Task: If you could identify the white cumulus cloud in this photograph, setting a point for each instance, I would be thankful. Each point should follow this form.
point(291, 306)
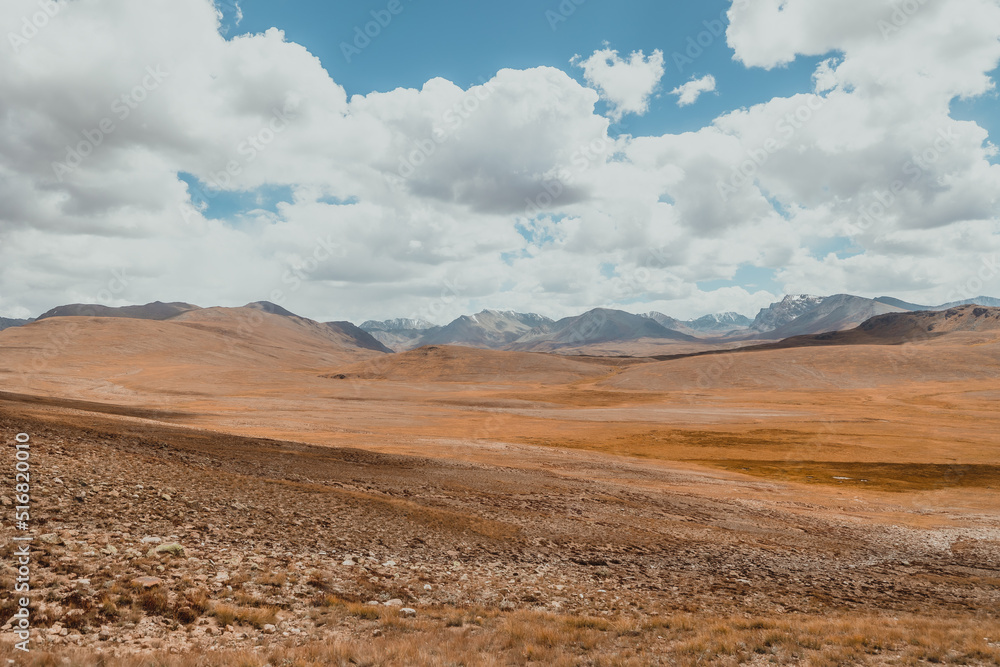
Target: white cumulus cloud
point(626, 84)
point(689, 92)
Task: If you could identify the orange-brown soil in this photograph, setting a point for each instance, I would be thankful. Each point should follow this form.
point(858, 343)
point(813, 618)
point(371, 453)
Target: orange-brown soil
point(858, 483)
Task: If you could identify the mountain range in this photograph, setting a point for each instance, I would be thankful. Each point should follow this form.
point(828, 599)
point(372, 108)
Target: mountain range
point(590, 332)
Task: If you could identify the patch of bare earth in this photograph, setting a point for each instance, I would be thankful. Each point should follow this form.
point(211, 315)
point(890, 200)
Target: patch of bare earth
point(162, 545)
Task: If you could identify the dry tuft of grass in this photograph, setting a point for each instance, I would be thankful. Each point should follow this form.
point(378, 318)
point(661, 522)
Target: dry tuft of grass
point(257, 617)
point(484, 636)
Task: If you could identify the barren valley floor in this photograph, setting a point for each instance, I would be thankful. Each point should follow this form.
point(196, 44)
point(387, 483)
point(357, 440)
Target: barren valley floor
point(821, 506)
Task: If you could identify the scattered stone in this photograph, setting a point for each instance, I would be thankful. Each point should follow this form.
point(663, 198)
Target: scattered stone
point(147, 582)
point(395, 602)
point(407, 612)
point(149, 539)
point(51, 538)
point(172, 549)
point(428, 587)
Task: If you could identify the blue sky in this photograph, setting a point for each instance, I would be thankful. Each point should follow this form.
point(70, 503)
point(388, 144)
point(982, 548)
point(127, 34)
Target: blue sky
point(466, 42)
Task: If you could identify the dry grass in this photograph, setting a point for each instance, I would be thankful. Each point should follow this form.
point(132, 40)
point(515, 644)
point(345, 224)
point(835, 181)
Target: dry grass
point(898, 477)
point(257, 617)
point(487, 637)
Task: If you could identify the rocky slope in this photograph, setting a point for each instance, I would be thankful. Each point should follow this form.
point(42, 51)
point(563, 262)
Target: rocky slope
point(488, 329)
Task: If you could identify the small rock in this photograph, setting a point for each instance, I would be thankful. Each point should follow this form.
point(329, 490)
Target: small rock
point(109, 550)
point(428, 587)
point(407, 612)
point(395, 602)
point(373, 603)
point(147, 582)
point(172, 549)
point(222, 576)
point(50, 538)
point(348, 562)
point(81, 496)
point(149, 539)
point(104, 635)
point(269, 629)
point(376, 632)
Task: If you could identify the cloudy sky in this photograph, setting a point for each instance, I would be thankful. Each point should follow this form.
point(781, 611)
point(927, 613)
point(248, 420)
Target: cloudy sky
point(409, 158)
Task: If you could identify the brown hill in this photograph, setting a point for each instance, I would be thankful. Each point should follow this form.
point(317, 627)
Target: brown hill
point(466, 364)
point(198, 351)
point(156, 310)
point(959, 344)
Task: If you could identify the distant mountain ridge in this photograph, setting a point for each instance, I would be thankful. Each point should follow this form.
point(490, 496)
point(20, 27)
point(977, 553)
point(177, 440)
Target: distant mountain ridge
point(7, 323)
point(156, 310)
point(488, 328)
point(599, 325)
point(794, 315)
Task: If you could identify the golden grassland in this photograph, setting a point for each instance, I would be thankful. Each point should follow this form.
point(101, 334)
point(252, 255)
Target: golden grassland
point(481, 636)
